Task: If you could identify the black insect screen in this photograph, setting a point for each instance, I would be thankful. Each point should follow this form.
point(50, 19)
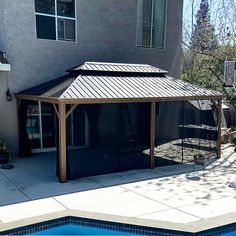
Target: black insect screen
point(199, 129)
point(110, 138)
point(169, 133)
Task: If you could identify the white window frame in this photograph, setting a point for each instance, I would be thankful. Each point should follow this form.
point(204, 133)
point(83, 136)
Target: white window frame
point(42, 149)
point(56, 22)
point(140, 5)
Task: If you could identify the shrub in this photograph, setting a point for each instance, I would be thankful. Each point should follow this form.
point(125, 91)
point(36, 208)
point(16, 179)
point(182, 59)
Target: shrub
point(233, 139)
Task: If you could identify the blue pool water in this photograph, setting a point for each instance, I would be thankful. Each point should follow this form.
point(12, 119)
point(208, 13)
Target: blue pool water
point(71, 229)
point(230, 234)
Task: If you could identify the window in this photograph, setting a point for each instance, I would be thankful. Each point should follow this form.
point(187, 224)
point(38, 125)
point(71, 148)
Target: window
point(55, 19)
point(41, 126)
point(151, 23)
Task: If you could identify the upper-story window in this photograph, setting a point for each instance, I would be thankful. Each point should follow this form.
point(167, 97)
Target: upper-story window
point(55, 19)
point(151, 23)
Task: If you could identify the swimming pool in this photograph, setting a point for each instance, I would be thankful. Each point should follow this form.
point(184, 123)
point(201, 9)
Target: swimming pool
point(71, 225)
point(71, 229)
point(229, 234)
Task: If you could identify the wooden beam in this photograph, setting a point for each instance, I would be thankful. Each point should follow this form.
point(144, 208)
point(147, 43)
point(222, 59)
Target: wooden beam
point(74, 101)
point(215, 104)
point(219, 128)
point(71, 110)
point(152, 134)
point(56, 110)
point(37, 98)
point(62, 144)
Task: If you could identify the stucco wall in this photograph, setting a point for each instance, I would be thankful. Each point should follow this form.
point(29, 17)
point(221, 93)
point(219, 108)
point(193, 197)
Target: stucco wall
point(106, 32)
point(1, 24)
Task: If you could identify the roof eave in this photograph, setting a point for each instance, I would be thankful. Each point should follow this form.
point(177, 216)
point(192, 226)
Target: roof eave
point(136, 100)
point(37, 98)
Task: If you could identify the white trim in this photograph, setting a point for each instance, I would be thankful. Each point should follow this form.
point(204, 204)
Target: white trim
point(42, 149)
point(64, 17)
point(5, 67)
point(56, 19)
point(76, 30)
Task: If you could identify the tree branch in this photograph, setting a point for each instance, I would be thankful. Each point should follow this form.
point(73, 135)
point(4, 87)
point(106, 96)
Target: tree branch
point(219, 79)
point(202, 53)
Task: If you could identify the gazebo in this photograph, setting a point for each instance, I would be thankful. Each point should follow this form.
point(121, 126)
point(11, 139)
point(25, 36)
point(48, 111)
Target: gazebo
point(112, 83)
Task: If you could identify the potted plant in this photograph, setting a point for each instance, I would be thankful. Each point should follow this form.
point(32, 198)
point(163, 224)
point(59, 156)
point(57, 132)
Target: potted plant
point(199, 159)
point(4, 153)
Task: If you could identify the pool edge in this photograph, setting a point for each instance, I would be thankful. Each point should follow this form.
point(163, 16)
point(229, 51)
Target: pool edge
point(196, 227)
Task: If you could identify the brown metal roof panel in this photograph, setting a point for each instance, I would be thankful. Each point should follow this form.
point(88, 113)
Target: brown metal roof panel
point(118, 67)
point(92, 83)
point(159, 86)
point(50, 88)
point(174, 89)
point(194, 88)
point(137, 88)
point(95, 92)
point(114, 86)
point(72, 91)
point(122, 85)
point(104, 87)
point(58, 89)
point(78, 87)
point(102, 91)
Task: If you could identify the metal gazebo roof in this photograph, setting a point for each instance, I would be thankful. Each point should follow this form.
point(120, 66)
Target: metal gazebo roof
point(126, 83)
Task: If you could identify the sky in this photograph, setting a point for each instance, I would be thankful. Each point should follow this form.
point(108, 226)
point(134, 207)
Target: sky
point(223, 17)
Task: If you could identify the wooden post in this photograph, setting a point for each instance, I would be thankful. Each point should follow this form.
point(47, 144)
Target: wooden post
point(152, 134)
point(62, 143)
point(219, 128)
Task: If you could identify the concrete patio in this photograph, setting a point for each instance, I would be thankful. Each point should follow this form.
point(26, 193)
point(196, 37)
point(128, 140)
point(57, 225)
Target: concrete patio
point(172, 197)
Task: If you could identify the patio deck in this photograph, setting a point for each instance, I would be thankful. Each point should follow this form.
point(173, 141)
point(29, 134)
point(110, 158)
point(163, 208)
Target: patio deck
point(171, 197)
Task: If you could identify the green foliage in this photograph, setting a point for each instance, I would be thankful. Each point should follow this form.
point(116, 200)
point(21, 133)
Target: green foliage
point(207, 69)
point(233, 139)
point(3, 147)
point(233, 128)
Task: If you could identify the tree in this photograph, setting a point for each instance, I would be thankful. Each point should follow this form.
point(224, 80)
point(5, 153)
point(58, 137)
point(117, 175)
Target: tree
point(203, 37)
point(204, 51)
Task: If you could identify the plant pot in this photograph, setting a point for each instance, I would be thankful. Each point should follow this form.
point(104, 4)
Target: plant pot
point(4, 158)
point(199, 160)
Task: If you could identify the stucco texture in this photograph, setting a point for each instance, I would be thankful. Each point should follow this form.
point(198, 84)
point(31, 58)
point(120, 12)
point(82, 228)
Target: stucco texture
point(106, 31)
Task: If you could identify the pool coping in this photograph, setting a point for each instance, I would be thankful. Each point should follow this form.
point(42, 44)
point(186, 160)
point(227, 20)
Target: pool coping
point(196, 227)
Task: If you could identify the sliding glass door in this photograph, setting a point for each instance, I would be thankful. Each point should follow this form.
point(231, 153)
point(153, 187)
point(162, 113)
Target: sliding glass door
point(42, 122)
